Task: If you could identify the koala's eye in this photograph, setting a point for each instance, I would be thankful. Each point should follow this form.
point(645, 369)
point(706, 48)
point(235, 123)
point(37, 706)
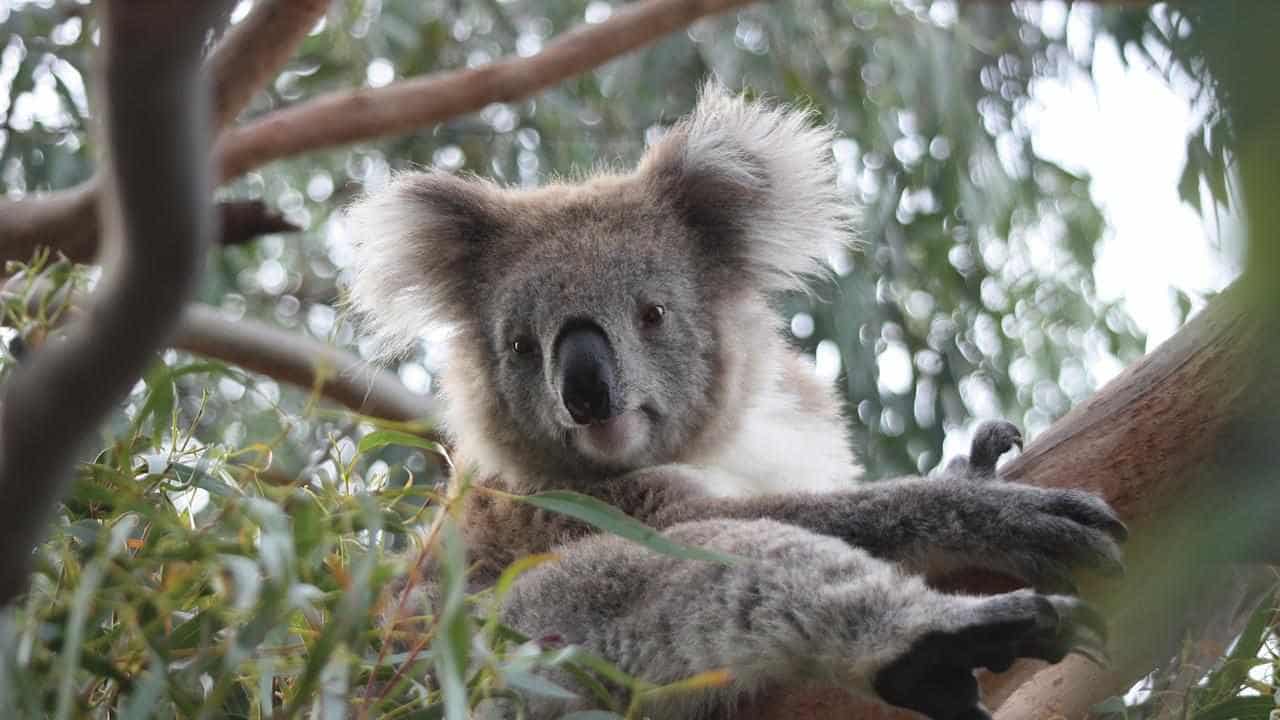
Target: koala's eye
point(523, 346)
point(653, 315)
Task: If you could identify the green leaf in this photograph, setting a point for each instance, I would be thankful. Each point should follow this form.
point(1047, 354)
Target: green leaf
point(592, 715)
point(382, 438)
point(188, 475)
point(453, 636)
point(159, 403)
point(612, 520)
point(309, 523)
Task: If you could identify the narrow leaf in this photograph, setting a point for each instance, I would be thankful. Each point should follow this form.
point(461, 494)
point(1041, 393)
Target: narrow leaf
point(383, 438)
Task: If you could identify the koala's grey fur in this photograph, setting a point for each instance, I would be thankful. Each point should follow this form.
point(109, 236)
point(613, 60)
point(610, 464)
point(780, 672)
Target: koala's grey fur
point(718, 433)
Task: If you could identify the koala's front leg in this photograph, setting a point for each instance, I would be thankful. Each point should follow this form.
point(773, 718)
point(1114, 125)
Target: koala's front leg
point(797, 608)
point(1037, 535)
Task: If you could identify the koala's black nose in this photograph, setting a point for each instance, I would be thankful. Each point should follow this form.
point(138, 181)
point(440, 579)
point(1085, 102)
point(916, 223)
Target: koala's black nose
point(586, 374)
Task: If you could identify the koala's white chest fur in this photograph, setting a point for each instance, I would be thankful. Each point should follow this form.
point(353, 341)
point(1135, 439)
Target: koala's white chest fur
point(790, 438)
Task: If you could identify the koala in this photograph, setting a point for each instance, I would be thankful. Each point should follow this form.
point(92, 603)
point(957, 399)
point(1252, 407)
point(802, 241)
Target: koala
point(614, 336)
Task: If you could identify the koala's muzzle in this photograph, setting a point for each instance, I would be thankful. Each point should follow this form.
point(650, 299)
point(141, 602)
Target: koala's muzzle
point(588, 383)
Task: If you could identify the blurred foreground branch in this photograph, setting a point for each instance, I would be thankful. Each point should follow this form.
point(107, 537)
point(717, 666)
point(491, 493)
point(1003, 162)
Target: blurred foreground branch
point(155, 204)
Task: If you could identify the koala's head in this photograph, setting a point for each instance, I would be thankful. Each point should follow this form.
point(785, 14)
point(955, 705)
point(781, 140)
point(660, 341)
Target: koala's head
point(598, 326)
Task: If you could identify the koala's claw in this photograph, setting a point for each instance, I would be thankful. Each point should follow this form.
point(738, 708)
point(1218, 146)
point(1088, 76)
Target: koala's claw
point(1038, 535)
point(935, 676)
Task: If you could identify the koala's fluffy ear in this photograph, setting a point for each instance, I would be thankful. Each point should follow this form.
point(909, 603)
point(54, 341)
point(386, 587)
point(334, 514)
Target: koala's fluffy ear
point(758, 183)
point(414, 244)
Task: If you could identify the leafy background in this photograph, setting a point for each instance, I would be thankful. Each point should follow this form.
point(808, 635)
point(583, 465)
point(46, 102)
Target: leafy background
point(227, 549)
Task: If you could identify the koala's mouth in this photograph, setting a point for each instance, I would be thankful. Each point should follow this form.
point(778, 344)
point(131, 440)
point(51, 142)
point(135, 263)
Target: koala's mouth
point(615, 440)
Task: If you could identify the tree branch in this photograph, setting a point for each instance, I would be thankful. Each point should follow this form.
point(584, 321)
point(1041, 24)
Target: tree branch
point(156, 211)
point(302, 361)
point(253, 51)
point(345, 117)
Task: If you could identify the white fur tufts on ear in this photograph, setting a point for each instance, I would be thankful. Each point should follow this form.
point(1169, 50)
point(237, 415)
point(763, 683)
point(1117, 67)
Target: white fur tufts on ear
point(414, 240)
point(759, 181)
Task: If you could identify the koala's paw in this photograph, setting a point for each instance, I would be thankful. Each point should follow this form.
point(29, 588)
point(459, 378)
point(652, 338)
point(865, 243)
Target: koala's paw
point(1040, 534)
point(935, 676)
point(991, 440)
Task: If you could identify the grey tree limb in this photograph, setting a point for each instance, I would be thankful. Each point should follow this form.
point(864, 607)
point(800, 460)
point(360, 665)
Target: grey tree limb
point(156, 213)
point(305, 362)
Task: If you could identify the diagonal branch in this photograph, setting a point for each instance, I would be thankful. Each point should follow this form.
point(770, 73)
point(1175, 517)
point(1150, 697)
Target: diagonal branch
point(253, 51)
point(302, 361)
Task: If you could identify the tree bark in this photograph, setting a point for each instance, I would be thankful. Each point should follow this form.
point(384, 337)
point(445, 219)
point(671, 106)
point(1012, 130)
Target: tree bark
point(1183, 444)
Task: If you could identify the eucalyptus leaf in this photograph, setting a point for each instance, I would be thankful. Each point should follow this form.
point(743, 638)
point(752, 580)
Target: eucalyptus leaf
point(612, 520)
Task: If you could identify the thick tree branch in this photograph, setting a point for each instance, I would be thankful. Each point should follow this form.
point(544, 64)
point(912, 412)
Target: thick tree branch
point(245, 220)
point(345, 117)
point(156, 211)
point(298, 360)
